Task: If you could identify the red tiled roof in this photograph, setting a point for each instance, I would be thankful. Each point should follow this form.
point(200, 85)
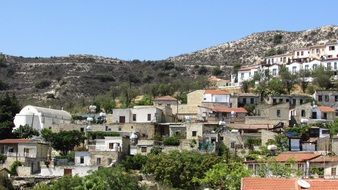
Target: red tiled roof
point(326, 109)
point(166, 98)
point(15, 141)
point(216, 92)
point(252, 183)
point(296, 156)
point(322, 159)
point(228, 110)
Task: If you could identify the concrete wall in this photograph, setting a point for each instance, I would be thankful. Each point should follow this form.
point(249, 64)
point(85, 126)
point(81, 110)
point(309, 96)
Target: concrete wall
point(76, 170)
point(190, 127)
point(23, 171)
point(117, 113)
point(195, 97)
point(86, 158)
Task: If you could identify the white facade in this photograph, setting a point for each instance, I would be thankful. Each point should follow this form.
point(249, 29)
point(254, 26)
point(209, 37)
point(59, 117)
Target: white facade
point(331, 64)
point(301, 53)
point(308, 66)
point(82, 158)
point(247, 73)
point(279, 59)
point(138, 114)
point(216, 98)
point(39, 117)
point(107, 144)
point(274, 70)
point(294, 68)
point(331, 50)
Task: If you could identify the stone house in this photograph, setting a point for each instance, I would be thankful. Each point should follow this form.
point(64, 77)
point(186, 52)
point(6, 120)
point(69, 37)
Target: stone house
point(247, 99)
point(137, 114)
point(28, 151)
point(327, 98)
point(165, 101)
point(270, 115)
point(323, 112)
point(216, 113)
point(293, 100)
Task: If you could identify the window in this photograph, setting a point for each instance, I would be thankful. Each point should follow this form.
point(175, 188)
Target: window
point(320, 98)
point(274, 101)
point(333, 171)
point(122, 119)
point(306, 67)
point(274, 72)
point(149, 117)
point(336, 98)
point(326, 98)
point(314, 66)
point(294, 68)
point(325, 116)
point(81, 160)
point(335, 65)
point(297, 53)
point(331, 48)
point(301, 53)
point(134, 117)
point(111, 145)
point(303, 113)
point(301, 101)
point(329, 56)
point(280, 100)
point(98, 161)
point(232, 145)
point(82, 129)
point(194, 133)
point(278, 113)
point(143, 149)
point(329, 66)
point(244, 100)
point(252, 100)
point(242, 75)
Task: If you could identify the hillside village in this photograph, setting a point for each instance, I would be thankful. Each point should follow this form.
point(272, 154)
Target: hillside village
point(279, 114)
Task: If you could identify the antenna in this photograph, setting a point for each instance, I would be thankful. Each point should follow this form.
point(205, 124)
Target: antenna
point(303, 184)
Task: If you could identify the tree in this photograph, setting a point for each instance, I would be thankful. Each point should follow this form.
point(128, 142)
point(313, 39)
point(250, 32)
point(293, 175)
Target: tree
point(288, 79)
point(225, 176)
point(25, 131)
point(63, 141)
point(273, 168)
point(302, 79)
point(202, 70)
point(276, 87)
point(216, 71)
point(9, 106)
point(321, 77)
point(134, 162)
point(179, 168)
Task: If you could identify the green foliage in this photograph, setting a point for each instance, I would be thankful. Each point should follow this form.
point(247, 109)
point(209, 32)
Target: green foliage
point(276, 169)
point(224, 176)
point(276, 87)
point(202, 70)
point(104, 178)
point(317, 171)
point(42, 84)
point(299, 130)
point(146, 100)
point(172, 141)
point(177, 169)
point(288, 79)
point(2, 158)
point(250, 109)
point(25, 131)
point(9, 106)
point(78, 117)
point(105, 102)
point(182, 97)
point(101, 134)
point(251, 142)
point(332, 127)
point(216, 71)
point(63, 141)
point(321, 77)
point(134, 162)
point(3, 85)
point(5, 183)
point(14, 166)
point(282, 142)
point(277, 39)
point(156, 150)
point(246, 85)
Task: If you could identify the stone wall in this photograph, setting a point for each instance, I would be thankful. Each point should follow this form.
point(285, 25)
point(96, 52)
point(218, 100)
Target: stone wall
point(59, 170)
point(266, 135)
point(23, 171)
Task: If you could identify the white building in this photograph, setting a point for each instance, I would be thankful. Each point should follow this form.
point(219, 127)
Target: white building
point(294, 67)
point(331, 50)
point(279, 59)
point(273, 70)
point(216, 96)
point(331, 64)
point(301, 54)
point(138, 114)
point(308, 66)
point(39, 117)
point(247, 73)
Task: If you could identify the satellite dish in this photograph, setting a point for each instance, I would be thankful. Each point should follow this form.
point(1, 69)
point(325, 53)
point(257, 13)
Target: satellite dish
point(90, 119)
point(133, 136)
point(303, 184)
point(88, 128)
point(272, 147)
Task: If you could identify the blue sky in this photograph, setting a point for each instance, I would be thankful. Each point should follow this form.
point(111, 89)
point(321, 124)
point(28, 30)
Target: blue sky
point(147, 29)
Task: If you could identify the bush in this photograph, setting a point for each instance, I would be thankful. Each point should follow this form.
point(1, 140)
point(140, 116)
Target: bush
point(172, 141)
point(134, 162)
point(277, 39)
point(42, 84)
point(14, 166)
point(102, 134)
point(2, 158)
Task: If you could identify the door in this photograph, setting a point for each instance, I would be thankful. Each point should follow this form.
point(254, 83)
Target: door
point(122, 119)
point(314, 115)
point(67, 171)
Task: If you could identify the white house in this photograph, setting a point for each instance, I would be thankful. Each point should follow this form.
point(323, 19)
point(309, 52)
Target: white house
point(216, 96)
point(317, 51)
point(311, 65)
point(331, 64)
point(294, 67)
point(138, 114)
point(39, 117)
point(301, 54)
point(247, 73)
point(279, 59)
point(331, 50)
point(274, 70)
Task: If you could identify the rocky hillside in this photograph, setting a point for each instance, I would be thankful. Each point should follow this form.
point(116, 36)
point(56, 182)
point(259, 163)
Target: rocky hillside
point(65, 80)
point(253, 48)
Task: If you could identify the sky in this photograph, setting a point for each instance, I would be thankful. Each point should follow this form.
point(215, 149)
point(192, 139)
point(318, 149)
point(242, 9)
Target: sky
point(147, 29)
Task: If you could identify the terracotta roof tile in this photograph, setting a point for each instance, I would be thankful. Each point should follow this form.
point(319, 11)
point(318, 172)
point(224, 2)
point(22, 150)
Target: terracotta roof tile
point(166, 98)
point(325, 159)
point(252, 183)
point(296, 156)
point(216, 92)
point(225, 109)
point(15, 141)
point(326, 109)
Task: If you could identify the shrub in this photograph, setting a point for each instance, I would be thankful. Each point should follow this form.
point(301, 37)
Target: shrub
point(2, 158)
point(277, 39)
point(171, 141)
point(134, 162)
point(42, 84)
point(14, 166)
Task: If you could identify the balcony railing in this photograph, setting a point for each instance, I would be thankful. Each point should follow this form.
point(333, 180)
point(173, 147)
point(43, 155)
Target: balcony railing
point(15, 154)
